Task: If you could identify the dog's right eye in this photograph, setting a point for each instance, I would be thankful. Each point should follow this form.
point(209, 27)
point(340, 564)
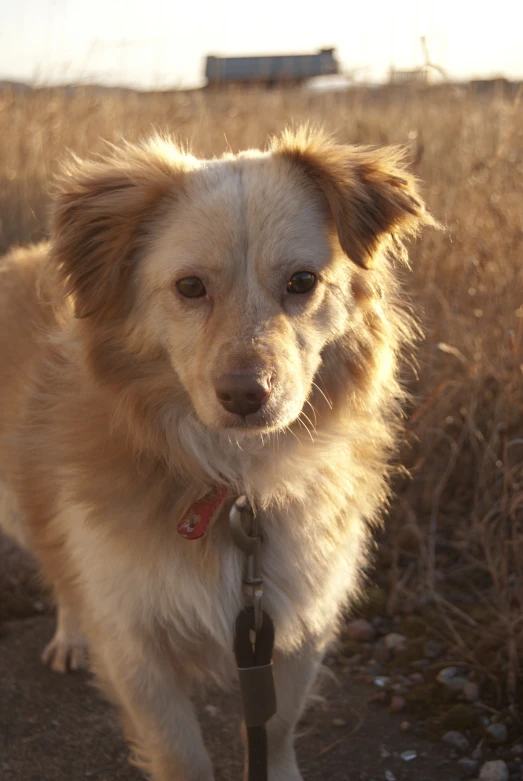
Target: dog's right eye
point(191, 287)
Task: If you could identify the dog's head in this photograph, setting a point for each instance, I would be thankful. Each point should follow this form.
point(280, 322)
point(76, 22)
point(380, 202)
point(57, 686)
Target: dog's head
point(243, 271)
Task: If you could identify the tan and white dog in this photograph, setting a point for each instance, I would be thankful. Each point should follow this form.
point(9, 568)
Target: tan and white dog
point(194, 324)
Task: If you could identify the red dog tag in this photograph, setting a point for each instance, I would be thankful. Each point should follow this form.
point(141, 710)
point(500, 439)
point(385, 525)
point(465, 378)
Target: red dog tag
point(196, 521)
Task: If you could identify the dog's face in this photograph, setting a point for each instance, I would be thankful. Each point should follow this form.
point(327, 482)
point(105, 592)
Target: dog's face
point(243, 287)
point(240, 269)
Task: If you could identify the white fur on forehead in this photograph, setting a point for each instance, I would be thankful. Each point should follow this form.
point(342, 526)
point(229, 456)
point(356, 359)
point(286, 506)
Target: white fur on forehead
point(233, 212)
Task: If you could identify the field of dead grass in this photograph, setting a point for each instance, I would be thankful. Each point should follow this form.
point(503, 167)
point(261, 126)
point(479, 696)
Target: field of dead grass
point(453, 548)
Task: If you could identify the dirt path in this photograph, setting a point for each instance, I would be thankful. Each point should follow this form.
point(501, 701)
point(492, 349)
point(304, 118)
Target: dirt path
point(56, 728)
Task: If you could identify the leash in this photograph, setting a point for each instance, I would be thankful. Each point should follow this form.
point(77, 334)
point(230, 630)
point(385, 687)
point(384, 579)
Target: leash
point(253, 641)
point(254, 629)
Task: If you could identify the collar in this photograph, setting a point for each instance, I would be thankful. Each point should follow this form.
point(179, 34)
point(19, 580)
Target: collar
point(195, 522)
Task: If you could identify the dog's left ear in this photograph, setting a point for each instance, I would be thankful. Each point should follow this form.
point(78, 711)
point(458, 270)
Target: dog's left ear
point(370, 195)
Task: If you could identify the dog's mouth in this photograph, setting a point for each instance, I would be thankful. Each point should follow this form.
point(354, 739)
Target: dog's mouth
point(275, 415)
point(263, 421)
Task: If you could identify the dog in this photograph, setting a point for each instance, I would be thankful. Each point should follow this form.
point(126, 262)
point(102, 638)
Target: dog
point(193, 329)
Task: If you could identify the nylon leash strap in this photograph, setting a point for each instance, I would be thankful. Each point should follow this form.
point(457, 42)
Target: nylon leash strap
point(253, 642)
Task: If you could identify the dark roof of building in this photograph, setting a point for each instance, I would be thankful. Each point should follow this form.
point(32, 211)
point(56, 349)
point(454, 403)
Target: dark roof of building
point(271, 67)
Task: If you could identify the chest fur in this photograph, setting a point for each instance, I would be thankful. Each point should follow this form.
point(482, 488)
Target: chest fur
point(192, 589)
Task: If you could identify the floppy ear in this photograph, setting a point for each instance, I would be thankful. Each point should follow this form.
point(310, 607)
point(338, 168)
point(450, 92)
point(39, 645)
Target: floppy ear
point(101, 212)
point(370, 195)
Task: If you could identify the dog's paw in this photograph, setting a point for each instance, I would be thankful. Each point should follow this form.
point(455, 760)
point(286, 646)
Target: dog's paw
point(66, 654)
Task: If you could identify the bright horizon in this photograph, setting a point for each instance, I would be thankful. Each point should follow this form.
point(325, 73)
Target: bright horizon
point(152, 45)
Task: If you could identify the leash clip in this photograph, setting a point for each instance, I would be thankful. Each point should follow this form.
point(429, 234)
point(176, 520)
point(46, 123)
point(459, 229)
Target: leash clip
point(250, 543)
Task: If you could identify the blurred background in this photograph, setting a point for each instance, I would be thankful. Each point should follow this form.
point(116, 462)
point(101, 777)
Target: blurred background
point(444, 80)
point(158, 46)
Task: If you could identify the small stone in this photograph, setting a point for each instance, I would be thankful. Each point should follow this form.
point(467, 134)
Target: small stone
point(399, 688)
point(384, 752)
point(456, 740)
point(397, 703)
point(405, 726)
point(418, 679)
point(395, 642)
point(409, 755)
point(382, 681)
point(211, 710)
point(471, 691)
point(469, 767)
point(360, 630)
point(497, 733)
point(446, 674)
point(449, 677)
point(338, 722)
point(432, 649)
point(496, 770)
point(389, 776)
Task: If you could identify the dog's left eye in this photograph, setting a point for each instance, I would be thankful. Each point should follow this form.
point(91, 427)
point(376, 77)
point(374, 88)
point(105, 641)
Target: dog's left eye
point(191, 287)
point(301, 282)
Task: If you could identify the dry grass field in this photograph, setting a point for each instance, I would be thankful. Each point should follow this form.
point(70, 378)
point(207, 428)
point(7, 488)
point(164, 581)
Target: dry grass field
point(452, 551)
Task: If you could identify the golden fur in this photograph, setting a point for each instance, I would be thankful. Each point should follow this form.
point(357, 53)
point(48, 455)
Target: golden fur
point(111, 426)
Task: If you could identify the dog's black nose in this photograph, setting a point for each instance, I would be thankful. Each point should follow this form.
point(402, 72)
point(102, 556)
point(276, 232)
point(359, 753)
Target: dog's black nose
point(242, 394)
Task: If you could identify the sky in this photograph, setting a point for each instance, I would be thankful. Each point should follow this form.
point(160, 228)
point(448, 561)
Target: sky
point(163, 43)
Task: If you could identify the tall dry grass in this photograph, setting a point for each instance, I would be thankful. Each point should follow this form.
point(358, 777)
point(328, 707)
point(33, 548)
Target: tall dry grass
point(454, 542)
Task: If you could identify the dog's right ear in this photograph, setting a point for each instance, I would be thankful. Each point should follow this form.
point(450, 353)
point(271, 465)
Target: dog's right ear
point(102, 209)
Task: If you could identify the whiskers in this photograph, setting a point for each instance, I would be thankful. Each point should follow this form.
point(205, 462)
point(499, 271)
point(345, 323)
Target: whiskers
point(328, 401)
point(309, 421)
point(290, 431)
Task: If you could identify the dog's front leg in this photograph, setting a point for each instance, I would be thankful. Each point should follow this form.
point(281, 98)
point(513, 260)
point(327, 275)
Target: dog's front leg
point(158, 716)
point(293, 677)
